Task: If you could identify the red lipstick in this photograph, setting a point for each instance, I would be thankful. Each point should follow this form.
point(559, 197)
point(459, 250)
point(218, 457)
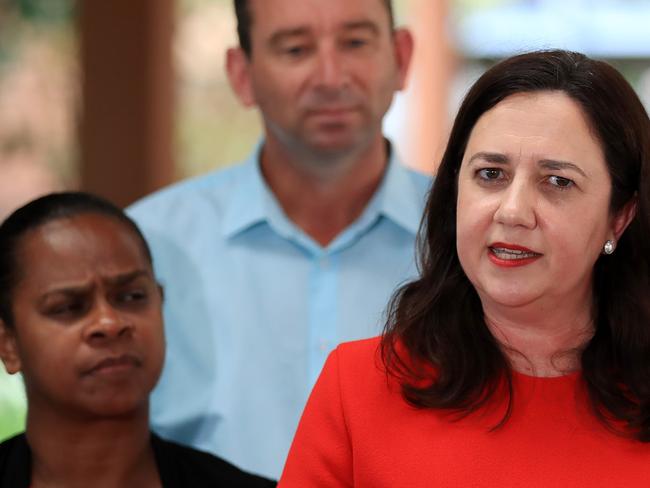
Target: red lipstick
point(511, 255)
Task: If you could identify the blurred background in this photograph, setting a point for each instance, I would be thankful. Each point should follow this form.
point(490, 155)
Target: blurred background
point(123, 97)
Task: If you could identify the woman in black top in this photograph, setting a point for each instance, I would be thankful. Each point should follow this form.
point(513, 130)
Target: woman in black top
point(80, 317)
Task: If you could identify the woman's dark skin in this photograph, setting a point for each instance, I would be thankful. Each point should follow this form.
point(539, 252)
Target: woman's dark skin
point(87, 336)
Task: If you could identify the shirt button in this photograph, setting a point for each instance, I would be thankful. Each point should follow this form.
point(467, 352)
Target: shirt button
point(324, 262)
point(323, 346)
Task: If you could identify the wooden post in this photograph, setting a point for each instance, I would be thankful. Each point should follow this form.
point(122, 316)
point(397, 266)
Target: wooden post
point(126, 133)
point(432, 71)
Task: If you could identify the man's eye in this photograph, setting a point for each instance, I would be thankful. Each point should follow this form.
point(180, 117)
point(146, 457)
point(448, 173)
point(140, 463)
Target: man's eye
point(355, 43)
point(295, 51)
point(560, 182)
point(490, 174)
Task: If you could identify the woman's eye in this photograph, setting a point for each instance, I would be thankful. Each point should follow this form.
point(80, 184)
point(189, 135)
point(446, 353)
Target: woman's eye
point(560, 182)
point(135, 296)
point(67, 309)
point(490, 174)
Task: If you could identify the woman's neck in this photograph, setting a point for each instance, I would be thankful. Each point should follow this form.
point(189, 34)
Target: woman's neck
point(97, 453)
point(542, 340)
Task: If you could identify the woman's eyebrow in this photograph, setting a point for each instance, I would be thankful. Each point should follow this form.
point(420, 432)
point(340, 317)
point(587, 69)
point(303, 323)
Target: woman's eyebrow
point(67, 290)
point(490, 157)
point(80, 288)
point(555, 165)
point(125, 278)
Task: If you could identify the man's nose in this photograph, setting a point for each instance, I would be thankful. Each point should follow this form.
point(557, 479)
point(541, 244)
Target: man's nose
point(330, 72)
point(517, 206)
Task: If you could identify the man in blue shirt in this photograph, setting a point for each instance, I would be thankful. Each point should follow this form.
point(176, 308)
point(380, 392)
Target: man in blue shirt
point(269, 264)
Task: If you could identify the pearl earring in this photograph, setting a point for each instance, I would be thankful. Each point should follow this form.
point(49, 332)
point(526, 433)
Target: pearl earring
point(608, 248)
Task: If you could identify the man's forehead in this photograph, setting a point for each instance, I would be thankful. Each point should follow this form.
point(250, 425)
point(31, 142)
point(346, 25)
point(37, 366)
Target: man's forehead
point(270, 16)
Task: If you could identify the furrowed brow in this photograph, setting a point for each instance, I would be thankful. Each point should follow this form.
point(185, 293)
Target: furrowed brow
point(126, 278)
point(72, 290)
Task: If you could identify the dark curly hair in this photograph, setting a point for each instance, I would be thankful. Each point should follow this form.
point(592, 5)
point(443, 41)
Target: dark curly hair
point(438, 321)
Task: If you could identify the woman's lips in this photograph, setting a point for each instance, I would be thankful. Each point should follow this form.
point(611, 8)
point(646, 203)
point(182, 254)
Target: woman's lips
point(114, 364)
point(511, 255)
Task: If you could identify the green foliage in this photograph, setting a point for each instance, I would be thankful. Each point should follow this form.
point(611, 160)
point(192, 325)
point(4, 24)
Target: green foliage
point(21, 19)
point(12, 405)
point(49, 11)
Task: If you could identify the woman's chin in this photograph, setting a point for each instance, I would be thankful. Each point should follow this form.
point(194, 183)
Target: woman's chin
point(507, 297)
point(116, 407)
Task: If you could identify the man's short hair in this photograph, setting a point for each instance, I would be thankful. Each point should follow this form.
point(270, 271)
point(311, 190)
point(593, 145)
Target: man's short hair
point(245, 20)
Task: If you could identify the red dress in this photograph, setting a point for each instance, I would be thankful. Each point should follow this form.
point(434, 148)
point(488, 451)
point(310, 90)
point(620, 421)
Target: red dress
point(357, 430)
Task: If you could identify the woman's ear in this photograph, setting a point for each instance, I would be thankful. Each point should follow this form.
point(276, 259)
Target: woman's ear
point(9, 349)
point(623, 217)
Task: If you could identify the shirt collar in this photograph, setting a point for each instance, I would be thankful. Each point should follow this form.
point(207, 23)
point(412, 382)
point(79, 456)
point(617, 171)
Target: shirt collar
point(398, 198)
point(253, 202)
point(249, 203)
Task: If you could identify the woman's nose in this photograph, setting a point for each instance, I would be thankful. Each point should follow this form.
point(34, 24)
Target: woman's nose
point(107, 324)
point(517, 206)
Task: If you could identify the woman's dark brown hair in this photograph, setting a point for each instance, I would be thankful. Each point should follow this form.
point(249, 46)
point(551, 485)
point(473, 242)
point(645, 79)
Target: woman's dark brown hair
point(436, 341)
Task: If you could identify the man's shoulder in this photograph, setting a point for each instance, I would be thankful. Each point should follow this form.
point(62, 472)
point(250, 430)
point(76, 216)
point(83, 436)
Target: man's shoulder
point(181, 465)
point(407, 183)
point(421, 180)
point(402, 196)
point(189, 195)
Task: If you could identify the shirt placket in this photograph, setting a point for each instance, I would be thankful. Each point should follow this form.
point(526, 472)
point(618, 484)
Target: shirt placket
point(323, 311)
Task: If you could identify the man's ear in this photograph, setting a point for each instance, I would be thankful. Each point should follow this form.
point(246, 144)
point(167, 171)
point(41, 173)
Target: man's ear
point(623, 217)
point(8, 349)
point(238, 70)
point(403, 44)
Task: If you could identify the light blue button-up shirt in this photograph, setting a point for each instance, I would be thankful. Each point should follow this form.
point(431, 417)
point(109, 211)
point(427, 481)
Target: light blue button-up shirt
point(253, 305)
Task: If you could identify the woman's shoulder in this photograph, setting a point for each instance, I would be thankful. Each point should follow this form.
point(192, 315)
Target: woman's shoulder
point(15, 460)
point(360, 348)
point(362, 357)
point(181, 466)
point(368, 355)
point(8, 446)
point(357, 368)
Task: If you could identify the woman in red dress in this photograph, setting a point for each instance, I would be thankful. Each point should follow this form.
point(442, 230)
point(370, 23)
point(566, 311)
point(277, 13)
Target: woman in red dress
point(521, 355)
